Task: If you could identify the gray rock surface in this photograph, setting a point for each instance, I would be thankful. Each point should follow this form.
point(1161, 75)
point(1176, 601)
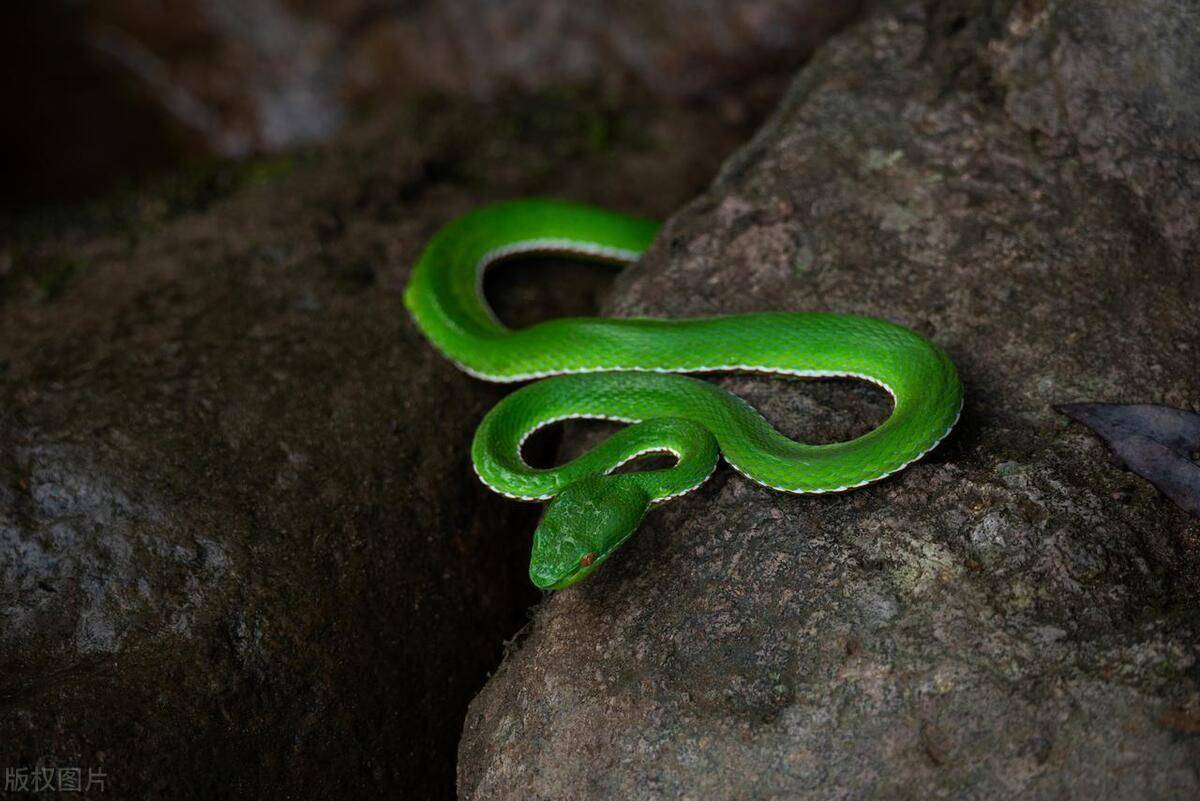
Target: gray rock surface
point(1013, 617)
point(242, 551)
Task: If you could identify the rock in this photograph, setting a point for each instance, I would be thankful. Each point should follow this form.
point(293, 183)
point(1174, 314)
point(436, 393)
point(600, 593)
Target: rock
point(242, 550)
point(675, 50)
point(1014, 616)
point(237, 78)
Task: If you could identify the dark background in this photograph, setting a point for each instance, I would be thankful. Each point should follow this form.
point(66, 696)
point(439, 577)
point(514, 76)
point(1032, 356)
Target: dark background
point(99, 95)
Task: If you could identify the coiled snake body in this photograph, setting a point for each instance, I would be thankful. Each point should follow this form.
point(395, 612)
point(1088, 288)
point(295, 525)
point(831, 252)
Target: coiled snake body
point(627, 370)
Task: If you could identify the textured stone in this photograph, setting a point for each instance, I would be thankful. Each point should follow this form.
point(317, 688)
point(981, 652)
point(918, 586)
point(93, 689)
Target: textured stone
point(1014, 616)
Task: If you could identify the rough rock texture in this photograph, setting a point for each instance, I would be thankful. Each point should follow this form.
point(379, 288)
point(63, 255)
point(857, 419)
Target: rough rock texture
point(154, 82)
point(242, 551)
point(1015, 616)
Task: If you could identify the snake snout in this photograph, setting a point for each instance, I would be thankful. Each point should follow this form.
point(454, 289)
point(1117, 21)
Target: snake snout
point(582, 526)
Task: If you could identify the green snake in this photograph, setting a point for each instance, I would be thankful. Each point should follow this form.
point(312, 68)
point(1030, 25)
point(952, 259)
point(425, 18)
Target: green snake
point(626, 369)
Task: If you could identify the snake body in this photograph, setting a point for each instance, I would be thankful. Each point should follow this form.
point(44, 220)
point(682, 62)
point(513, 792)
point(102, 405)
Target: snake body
point(627, 369)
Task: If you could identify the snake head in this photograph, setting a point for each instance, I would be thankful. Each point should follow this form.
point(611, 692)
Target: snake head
point(582, 526)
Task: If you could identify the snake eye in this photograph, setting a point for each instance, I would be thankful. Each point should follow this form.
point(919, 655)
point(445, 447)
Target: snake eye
point(587, 559)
